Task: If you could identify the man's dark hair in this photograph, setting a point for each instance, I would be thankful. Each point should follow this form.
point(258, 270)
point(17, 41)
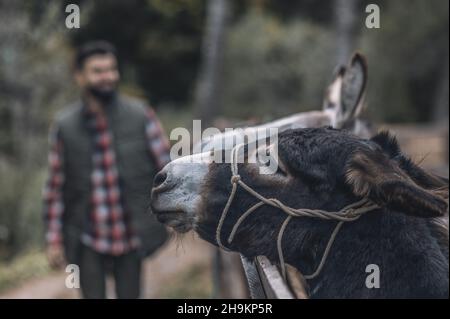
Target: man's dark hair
point(92, 48)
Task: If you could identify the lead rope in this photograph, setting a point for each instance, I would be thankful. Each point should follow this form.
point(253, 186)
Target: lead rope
point(347, 214)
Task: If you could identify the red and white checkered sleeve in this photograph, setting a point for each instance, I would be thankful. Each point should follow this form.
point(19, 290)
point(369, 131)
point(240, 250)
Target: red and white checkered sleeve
point(53, 193)
point(158, 142)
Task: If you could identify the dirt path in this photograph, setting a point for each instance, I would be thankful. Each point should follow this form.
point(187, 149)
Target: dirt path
point(174, 260)
point(165, 268)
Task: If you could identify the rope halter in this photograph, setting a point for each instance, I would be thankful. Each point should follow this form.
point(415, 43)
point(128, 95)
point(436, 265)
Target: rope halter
point(347, 214)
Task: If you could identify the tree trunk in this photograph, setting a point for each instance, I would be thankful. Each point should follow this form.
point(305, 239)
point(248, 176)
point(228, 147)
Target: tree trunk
point(207, 100)
point(345, 17)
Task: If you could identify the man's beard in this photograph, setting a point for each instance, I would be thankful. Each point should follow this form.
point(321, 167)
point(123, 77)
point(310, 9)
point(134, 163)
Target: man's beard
point(102, 95)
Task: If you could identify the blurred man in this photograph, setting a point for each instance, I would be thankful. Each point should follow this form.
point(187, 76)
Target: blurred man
point(104, 151)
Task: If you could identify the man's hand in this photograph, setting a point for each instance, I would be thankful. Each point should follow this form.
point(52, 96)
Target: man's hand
point(55, 256)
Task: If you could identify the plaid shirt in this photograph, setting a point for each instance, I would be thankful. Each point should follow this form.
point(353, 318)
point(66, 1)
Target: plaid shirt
point(109, 228)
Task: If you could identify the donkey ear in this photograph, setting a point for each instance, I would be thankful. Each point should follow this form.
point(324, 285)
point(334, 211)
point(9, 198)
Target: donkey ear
point(371, 173)
point(332, 99)
point(345, 95)
point(354, 87)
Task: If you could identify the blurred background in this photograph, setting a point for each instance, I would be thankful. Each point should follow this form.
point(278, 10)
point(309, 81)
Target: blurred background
point(223, 61)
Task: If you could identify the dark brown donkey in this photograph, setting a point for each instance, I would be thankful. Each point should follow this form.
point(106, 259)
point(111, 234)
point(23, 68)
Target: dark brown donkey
point(323, 169)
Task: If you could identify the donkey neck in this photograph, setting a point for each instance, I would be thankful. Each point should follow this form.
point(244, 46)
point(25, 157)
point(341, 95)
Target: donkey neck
point(385, 247)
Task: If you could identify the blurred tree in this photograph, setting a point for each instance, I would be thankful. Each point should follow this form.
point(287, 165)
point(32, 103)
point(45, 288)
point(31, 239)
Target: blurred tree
point(33, 80)
point(345, 18)
point(441, 104)
point(320, 12)
point(160, 49)
point(408, 58)
point(207, 98)
point(159, 42)
point(274, 68)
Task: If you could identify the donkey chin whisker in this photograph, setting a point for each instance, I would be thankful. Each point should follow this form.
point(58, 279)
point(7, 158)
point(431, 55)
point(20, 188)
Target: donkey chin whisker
point(180, 225)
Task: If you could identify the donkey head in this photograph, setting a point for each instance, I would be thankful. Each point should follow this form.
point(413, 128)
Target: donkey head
point(321, 168)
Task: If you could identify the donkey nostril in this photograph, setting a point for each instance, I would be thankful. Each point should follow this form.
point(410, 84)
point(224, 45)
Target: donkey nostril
point(159, 178)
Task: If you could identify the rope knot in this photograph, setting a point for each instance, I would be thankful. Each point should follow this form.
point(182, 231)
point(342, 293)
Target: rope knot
point(235, 179)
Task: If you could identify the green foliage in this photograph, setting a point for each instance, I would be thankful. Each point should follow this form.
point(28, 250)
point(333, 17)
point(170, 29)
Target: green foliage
point(8, 207)
point(25, 267)
point(279, 54)
point(35, 82)
point(20, 210)
point(407, 59)
point(158, 42)
point(274, 68)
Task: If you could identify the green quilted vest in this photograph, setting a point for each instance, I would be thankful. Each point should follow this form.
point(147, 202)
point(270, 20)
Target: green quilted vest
point(126, 120)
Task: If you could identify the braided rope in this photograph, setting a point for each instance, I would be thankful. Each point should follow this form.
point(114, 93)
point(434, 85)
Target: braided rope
point(347, 214)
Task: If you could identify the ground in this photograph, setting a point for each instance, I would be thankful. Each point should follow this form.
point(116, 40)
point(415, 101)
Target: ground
point(180, 269)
